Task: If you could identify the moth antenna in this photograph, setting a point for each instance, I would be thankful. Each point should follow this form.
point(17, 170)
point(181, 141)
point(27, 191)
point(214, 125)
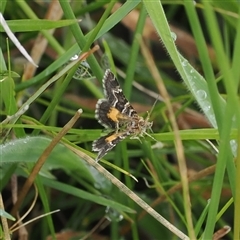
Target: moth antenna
point(149, 113)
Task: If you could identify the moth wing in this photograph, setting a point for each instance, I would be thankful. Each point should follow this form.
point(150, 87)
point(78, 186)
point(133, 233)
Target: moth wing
point(110, 83)
point(104, 144)
point(114, 94)
point(101, 114)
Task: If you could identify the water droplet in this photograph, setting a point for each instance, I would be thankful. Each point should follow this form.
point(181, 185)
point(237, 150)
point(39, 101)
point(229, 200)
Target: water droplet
point(189, 77)
point(73, 58)
point(233, 144)
point(25, 108)
point(206, 108)
point(201, 94)
point(234, 118)
point(112, 215)
point(192, 84)
point(184, 63)
point(174, 36)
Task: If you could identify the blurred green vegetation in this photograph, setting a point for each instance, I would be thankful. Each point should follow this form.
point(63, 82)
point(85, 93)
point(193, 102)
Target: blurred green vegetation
point(195, 49)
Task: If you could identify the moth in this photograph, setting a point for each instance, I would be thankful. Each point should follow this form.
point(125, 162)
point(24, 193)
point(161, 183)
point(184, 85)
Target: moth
point(116, 113)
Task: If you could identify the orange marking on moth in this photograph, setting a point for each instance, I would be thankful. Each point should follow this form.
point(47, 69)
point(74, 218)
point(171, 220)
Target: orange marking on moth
point(111, 138)
point(113, 114)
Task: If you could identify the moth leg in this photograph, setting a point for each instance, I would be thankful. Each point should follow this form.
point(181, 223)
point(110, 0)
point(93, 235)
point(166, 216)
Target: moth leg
point(135, 137)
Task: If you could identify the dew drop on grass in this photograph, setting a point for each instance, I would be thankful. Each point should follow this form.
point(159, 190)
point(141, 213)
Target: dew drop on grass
point(184, 63)
point(174, 36)
point(112, 215)
point(201, 94)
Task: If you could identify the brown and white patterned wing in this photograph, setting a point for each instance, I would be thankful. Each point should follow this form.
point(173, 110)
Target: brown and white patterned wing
point(115, 96)
point(104, 144)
